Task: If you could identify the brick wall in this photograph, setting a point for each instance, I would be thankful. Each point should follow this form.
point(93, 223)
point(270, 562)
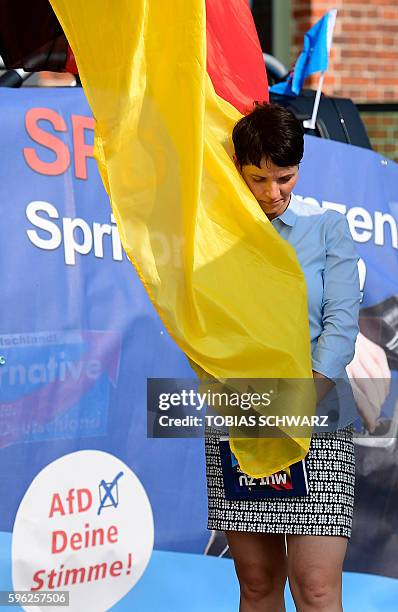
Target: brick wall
point(383, 132)
point(364, 58)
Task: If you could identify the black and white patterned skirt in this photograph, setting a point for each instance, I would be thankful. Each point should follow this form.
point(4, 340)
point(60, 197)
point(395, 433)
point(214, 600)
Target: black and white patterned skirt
point(326, 510)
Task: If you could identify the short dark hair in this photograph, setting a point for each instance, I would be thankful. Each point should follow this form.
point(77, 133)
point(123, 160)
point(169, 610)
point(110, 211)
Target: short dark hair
point(269, 131)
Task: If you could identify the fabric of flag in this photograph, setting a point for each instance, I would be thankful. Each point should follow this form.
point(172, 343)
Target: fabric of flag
point(313, 58)
point(235, 62)
point(227, 287)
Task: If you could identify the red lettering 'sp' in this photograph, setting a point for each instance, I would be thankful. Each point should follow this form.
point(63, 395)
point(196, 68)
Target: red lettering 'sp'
point(50, 141)
point(81, 149)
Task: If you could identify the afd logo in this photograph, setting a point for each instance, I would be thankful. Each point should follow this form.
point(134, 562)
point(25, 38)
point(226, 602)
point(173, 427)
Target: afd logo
point(56, 384)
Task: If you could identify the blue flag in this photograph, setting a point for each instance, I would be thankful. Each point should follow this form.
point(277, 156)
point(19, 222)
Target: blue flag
point(313, 58)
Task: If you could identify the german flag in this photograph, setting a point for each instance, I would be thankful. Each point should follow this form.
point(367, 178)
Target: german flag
point(166, 82)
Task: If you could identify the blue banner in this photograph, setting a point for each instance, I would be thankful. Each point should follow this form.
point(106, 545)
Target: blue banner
point(90, 505)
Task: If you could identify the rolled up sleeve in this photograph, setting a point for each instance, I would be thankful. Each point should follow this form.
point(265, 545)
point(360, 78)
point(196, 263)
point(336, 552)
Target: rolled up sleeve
point(341, 297)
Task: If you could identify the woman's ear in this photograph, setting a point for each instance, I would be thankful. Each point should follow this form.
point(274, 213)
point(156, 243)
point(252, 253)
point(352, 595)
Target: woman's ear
point(237, 164)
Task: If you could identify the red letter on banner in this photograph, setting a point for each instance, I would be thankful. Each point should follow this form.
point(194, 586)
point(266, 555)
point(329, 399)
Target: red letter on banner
point(55, 144)
point(82, 150)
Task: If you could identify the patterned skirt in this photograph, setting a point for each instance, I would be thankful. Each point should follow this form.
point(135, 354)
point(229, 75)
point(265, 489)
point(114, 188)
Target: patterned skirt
point(326, 510)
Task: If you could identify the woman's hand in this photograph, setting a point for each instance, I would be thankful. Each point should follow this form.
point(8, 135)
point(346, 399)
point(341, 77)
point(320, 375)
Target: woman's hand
point(322, 385)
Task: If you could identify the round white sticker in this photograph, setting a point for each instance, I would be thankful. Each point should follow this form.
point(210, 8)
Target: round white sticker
point(85, 525)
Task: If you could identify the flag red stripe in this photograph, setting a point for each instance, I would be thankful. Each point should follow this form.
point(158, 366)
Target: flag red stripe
point(234, 58)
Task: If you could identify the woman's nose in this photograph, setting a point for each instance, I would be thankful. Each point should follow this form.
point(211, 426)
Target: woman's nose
point(272, 191)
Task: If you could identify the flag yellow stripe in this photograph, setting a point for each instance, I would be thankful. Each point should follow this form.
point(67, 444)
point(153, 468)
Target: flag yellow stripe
point(227, 287)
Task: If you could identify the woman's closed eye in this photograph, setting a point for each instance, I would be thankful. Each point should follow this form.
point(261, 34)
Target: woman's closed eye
point(281, 181)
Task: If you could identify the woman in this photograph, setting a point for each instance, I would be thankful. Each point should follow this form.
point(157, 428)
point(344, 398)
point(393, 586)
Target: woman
point(305, 538)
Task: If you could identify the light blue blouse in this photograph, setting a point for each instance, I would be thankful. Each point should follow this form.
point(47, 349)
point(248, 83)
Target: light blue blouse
point(327, 255)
